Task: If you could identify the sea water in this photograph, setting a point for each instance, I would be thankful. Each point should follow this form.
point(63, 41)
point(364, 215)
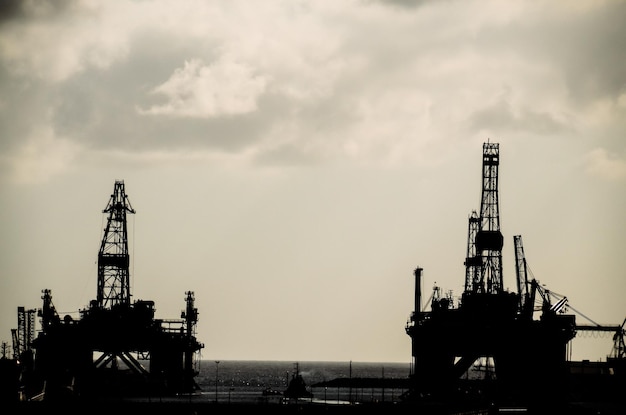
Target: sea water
point(233, 381)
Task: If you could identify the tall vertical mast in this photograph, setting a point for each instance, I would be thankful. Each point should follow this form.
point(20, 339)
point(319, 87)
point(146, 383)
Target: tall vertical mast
point(191, 319)
point(113, 257)
point(25, 330)
point(489, 239)
point(521, 272)
point(418, 291)
point(473, 260)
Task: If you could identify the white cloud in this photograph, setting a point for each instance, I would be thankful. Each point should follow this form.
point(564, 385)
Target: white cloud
point(621, 100)
point(54, 46)
point(42, 155)
point(197, 90)
point(605, 165)
point(292, 122)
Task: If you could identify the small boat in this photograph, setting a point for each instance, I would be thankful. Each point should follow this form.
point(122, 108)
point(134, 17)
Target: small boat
point(297, 387)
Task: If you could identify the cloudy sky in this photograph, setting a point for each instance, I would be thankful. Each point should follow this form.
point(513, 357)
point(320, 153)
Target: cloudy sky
point(291, 162)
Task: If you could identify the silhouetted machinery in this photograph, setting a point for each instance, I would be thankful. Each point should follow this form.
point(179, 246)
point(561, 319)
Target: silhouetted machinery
point(529, 356)
point(104, 353)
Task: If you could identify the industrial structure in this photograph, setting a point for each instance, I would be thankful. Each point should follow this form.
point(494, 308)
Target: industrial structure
point(526, 357)
point(116, 347)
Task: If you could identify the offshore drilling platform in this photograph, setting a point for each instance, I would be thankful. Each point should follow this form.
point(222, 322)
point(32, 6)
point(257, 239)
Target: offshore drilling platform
point(489, 324)
point(117, 347)
point(106, 351)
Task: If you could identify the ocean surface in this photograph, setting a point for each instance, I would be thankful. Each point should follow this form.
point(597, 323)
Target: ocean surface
point(235, 381)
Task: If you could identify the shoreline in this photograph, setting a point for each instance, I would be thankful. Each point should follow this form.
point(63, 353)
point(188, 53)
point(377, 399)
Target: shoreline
point(189, 407)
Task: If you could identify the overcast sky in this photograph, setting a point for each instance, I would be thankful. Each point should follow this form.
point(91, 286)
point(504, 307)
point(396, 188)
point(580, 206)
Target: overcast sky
point(292, 162)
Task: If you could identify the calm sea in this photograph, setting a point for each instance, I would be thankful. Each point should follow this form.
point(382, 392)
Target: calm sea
point(245, 380)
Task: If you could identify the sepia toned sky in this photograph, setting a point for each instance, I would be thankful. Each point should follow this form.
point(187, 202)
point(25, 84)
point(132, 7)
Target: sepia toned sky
point(292, 162)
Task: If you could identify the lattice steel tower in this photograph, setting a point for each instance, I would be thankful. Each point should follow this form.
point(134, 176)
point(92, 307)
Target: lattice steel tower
point(473, 260)
point(24, 335)
point(113, 257)
point(489, 239)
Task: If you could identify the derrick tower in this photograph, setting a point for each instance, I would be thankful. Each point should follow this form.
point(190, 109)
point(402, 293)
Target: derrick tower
point(113, 257)
point(117, 347)
point(489, 240)
point(489, 323)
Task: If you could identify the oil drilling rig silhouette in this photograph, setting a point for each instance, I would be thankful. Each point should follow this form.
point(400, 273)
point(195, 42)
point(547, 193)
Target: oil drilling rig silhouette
point(103, 353)
point(529, 356)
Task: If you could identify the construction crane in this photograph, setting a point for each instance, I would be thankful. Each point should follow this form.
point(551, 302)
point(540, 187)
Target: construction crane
point(526, 294)
point(528, 289)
